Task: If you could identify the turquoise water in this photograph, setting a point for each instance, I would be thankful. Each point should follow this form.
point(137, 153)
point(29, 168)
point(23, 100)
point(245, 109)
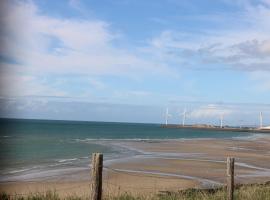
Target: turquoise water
point(29, 146)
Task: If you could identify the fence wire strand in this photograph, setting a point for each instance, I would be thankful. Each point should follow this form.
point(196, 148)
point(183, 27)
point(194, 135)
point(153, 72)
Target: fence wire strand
point(143, 174)
point(108, 180)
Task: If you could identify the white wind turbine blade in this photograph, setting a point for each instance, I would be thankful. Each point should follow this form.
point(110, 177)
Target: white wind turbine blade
point(221, 120)
point(183, 114)
point(167, 115)
point(261, 120)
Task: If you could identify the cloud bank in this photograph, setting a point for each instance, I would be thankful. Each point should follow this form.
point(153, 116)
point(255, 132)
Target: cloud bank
point(80, 57)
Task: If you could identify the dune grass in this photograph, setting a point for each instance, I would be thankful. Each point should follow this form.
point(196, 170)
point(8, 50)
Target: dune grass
point(244, 192)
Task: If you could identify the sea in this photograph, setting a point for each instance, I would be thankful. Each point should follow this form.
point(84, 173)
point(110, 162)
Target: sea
point(38, 149)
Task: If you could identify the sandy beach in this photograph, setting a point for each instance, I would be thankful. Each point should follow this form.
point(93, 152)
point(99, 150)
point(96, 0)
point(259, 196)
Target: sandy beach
point(165, 165)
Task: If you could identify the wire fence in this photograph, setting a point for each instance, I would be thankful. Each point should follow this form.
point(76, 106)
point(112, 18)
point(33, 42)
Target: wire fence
point(108, 181)
point(112, 178)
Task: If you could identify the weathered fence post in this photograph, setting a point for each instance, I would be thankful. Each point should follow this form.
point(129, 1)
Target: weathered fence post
point(230, 178)
point(96, 186)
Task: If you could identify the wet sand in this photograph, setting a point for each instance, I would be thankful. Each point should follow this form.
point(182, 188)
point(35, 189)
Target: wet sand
point(166, 165)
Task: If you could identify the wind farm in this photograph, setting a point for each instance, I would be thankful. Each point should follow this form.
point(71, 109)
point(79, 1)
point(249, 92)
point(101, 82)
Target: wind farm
point(221, 127)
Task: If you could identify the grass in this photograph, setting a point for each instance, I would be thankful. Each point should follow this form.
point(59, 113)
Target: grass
point(251, 192)
point(244, 192)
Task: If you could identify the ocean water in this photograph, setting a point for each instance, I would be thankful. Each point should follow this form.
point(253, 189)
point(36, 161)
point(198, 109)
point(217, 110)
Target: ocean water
point(31, 148)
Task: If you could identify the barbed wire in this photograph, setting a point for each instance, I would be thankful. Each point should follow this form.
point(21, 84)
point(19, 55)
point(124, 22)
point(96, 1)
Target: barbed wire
point(136, 173)
point(130, 173)
point(143, 174)
point(142, 188)
point(159, 175)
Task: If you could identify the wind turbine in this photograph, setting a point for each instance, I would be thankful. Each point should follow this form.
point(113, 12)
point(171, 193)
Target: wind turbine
point(184, 116)
point(221, 120)
point(261, 120)
point(241, 123)
point(167, 115)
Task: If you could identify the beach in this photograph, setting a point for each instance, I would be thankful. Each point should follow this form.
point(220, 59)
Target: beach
point(163, 165)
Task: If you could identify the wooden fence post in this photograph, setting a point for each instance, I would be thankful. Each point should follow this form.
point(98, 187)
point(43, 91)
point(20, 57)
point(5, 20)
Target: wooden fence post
point(96, 186)
point(230, 178)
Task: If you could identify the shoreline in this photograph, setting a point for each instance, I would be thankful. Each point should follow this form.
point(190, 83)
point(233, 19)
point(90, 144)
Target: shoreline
point(167, 165)
point(126, 147)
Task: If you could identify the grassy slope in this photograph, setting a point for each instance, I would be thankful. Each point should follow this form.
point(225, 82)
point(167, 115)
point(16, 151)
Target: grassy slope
point(247, 192)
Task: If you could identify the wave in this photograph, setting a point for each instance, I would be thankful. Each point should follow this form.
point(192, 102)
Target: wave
point(249, 136)
point(138, 139)
point(252, 137)
point(44, 174)
point(19, 170)
point(16, 171)
point(3, 137)
point(118, 139)
point(67, 160)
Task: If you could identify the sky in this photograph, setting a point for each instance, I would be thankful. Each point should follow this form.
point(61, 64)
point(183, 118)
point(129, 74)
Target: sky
point(128, 60)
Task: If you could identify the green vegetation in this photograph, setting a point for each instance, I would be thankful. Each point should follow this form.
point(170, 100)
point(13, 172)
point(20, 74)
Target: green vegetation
point(245, 192)
point(251, 192)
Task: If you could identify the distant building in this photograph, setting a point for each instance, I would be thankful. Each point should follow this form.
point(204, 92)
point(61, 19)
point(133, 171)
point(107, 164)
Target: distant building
point(203, 126)
point(265, 128)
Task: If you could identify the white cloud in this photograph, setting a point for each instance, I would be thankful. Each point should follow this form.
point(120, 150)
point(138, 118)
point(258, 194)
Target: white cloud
point(266, 2)
point(16, 85)
point(41, 45)
point(96, 83)
point(243, 45)
point(211, 110)
point(52, 45)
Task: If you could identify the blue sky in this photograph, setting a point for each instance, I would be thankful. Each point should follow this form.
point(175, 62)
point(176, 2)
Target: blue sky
point(210, 56)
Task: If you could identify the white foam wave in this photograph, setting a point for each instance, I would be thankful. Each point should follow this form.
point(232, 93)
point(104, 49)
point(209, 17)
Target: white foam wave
point(139, 139)
point(67, 160)
point(15, 171)
point(42, 175)
point(241, 149)
point(252, 137)
point(18, 171)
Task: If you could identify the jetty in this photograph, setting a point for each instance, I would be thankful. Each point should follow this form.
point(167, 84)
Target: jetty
point(218, 128)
